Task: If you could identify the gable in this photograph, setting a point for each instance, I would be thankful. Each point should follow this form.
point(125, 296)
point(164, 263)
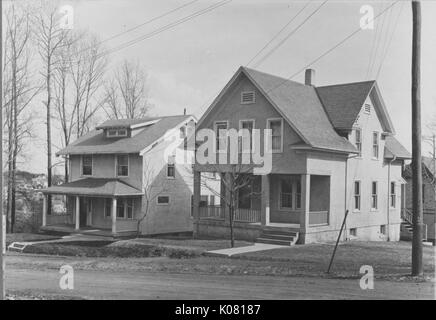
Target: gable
point(296, 103)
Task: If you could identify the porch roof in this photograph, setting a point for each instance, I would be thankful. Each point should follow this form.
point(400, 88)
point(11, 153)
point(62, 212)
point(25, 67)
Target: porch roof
point(95, 187)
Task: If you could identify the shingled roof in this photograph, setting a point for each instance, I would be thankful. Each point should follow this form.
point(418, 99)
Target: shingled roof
point(343, 102)
point(95, 187)
point(301, 107)
point(96, 142)
point(394, 149)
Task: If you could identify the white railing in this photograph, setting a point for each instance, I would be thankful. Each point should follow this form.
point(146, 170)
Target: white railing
point(247, 215)
point(211, 212)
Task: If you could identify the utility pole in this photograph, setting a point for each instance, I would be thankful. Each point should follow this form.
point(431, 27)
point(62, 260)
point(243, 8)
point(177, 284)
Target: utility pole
point(417, 218)
point(2, 213)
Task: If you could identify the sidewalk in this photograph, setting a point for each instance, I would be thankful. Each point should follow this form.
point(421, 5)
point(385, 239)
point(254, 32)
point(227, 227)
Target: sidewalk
point(255, 247)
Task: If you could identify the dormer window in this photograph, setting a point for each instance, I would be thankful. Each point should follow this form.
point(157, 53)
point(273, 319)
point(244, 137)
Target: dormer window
point(247, 97)
point(113, 133)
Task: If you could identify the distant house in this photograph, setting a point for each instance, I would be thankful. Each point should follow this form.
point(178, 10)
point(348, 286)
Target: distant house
point(428, 195)
point(119, 169)
point(333, 150)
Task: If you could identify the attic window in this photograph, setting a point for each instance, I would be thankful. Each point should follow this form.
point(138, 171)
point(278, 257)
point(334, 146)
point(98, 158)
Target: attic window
point(247, 97)
point(367, 108)
point(116, 133)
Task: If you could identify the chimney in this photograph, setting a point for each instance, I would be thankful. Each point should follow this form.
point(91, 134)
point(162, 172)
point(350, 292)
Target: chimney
point(309, 79)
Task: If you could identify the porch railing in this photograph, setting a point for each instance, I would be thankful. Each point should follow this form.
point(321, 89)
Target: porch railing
point(318, 218)
point(406, 215)
point(211, 212)
point(247, 215)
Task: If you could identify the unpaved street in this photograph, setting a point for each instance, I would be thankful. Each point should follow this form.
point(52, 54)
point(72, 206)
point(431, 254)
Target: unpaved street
point(148, 285)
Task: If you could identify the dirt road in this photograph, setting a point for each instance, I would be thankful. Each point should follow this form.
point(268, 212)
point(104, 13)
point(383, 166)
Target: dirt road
point(148, 285)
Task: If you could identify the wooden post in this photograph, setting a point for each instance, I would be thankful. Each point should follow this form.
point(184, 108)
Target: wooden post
point(417, 218)
point(265, 200)
point(77, 213)
point(196, 202)
point(2, 213)
point(44, 210)
point(114, 216)
point(305, 206)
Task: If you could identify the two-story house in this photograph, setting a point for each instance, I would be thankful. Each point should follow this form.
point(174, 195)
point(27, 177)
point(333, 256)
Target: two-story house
point(123, 179)
point(333, 151)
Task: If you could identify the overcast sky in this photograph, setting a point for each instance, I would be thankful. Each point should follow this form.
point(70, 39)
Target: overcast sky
point(190, 63)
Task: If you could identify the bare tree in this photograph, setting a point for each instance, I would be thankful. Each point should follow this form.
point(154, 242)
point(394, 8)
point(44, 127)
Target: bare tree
point(77, 77)
point(126, 95)
point(50, 39)
point(238, 178)
point(18, 93)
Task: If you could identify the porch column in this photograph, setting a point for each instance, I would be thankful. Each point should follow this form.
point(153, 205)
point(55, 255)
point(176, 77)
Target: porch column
point(196, 201)
point(228, 176)
point(77, 212)
point(44, 210)
point(114, 215)
point(305, 205)
point(265, 200)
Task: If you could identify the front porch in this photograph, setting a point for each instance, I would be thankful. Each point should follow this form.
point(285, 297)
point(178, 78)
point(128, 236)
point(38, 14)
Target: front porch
point(93, 206)
point(286, 202)
point(88, 231)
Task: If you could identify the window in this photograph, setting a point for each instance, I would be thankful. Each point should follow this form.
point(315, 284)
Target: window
point(171, 170)
point(359, 141)
point(276, 127)
point(246, 141)
point(286, 193)
point(124, 208)
point(357, 195)
point(182, 132)
point(221, 135)
point(87, 165)
point(353, 232)
point(111, 133)
point(107, 207)
point(122, 165)
point(247, 97)
point(298, 195)
point(211, 200)
point(163, 200)
point(383, 229)
point(375, 145)
point(374, 195)
point(393, 195)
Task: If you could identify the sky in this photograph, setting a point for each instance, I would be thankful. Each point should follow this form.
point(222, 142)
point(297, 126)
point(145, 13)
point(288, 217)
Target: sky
point(189, 64)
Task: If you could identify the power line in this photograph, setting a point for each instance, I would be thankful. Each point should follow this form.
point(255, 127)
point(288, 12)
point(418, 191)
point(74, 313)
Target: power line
point(390, 41)
point(371, 53)
point(331, 49)
point(166, 27)
point(289, 35)
point(278, 33)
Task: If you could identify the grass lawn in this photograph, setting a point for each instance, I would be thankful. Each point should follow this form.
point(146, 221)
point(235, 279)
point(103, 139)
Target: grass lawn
point(386, 258)
point(141, 247)
point(23, 237)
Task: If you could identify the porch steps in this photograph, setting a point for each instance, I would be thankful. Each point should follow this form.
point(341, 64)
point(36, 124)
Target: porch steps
point(17, 246)
point(406, 231)
point(279, 237)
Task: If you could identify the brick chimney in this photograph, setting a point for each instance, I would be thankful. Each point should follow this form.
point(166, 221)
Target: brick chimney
point(309, 79)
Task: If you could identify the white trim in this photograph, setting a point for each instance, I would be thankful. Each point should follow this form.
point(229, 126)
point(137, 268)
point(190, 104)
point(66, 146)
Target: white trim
point(163, 204)
point(251, 138)
point(268, 121)
point(144, 124)
point(216, 136)
point(116, 165)
point(81, 166)
point(377, 195)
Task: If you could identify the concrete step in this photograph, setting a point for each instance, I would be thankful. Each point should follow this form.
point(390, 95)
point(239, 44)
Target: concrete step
point(274, 241)
point(278, 236)
point(17, 247)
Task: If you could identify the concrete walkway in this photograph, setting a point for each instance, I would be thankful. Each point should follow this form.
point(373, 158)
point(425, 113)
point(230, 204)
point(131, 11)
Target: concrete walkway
point(255, 247)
